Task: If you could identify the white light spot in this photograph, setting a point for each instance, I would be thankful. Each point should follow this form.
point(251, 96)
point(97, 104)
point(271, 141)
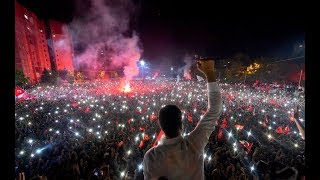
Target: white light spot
point(252, 168)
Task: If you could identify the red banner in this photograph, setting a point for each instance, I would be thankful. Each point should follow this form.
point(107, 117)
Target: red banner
point(141, 144)
point(224, 123)
point(279, 130)
point(18, 91)
point(159, 136)
point(286, 129)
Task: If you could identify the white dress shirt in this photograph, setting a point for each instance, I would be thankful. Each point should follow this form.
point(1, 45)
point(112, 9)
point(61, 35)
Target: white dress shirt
point(182, 157)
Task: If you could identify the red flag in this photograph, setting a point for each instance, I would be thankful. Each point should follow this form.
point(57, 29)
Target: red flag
point(132, 129)
point(129, 121)
point(18, 91)
point(141, 144)
point(159, 136)
point(142, 129)
point(120, 143)
point(246, 144)
point(264, 124)
point(189, 116)
point(153, 117)
point(203, 111)
point(250, 108)
point(220, 134)
point(279, 129)
point(146, 137)
point(238, 126)
point(87, 110)
point(224, 123)
point(75, 104)
point(286, 129)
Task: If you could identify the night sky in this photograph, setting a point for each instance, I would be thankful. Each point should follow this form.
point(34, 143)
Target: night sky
point(172, 30)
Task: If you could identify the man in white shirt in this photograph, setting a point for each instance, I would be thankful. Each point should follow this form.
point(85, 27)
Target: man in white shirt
point(178, 157)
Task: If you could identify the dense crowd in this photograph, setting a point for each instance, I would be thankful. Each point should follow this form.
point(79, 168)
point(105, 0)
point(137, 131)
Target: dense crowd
point(95, 130)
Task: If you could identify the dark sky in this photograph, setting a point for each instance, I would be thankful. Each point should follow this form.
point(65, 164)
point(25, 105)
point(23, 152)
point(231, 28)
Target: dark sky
point(171, 30)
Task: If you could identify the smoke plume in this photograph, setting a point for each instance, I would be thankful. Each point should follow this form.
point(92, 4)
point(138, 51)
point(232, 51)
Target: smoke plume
point(102, 38)
point(186, 68)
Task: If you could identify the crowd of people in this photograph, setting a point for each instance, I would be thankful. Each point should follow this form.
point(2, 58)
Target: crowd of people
point(95, 130)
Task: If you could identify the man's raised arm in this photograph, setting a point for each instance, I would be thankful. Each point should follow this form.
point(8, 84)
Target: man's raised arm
point(200, 135)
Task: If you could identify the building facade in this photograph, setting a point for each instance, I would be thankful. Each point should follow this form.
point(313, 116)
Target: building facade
point(31, 50)
point(62, 46)
point(31, 44)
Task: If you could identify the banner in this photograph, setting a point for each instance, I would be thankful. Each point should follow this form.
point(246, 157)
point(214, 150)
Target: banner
point(18, 92)
point(160, 134)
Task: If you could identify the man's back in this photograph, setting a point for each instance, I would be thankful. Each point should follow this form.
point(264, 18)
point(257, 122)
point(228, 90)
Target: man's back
point(176, 159)
point(182, 158)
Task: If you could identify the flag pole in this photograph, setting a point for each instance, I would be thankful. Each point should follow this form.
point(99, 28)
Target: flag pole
point(300, 77)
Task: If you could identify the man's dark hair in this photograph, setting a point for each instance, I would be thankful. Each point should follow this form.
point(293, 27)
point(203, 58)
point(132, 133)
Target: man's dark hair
point(170, 120)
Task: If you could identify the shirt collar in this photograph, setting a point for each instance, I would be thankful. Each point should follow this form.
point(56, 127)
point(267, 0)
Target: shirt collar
point(175, 140)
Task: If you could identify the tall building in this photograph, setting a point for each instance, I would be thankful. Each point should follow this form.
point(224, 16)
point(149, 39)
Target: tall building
point(31, 50)
point(62, 46)
point(32, 38)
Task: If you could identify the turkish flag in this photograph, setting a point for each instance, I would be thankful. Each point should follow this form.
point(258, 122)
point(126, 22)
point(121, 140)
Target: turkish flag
point(141, 144)
point(146, 137)
point(120, 143)
point(142, 129)
point(279, 129)
point(159, 136)
point(153, 117)
point(286, 129)
point(189, 116)
point(75, 104)
point(264, 124)
point(246, 144)
point(238, 126)
point(18, 91)
point(224, 123)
